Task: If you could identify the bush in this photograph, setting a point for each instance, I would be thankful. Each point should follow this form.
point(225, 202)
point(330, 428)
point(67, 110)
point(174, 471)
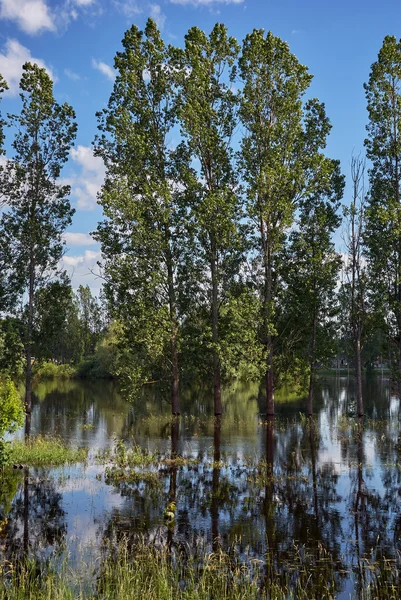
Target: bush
point(93, 368)
point(11, 414)
point(50, 370)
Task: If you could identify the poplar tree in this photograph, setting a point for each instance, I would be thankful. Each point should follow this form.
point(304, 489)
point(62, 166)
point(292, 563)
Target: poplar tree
point(281, 162)
point(208, 117)
point(311, 273)
point(144, 238)
point(353, 291)
point(90, 319)
point(37, 207)
point(383, 209)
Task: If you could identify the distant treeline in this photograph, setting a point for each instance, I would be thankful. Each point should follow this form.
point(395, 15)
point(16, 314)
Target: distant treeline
point(220, 206)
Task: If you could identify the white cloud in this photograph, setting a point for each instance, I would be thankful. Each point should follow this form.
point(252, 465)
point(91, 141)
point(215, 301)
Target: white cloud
point(71, 75)
point(129, 8)
point(12, 57)
point(87, 183)
point(83, 269)
point(88, 260)
point(105, 69)
point(32, 16)
point(70, 10)
point(157, 15)
point(206, 2)
point(78, 239)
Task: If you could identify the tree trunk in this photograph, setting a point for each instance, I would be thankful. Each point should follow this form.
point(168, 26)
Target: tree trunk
point(398, 375)
point(267, 306)
point(269, 508)
point(314, 478)
point(358, 374)
point(26, 512)
point(175, 370)
point(28, 349)
point(175, 379)
point(312, 368)
point(214, 507)
point(172, 493)
point(310, 392)
point(269, 380)
point(28, 391)
point(215, 332)
point(357, 511)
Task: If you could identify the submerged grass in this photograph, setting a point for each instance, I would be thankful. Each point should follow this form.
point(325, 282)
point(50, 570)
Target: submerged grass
point(43, 451)
point(132, 572)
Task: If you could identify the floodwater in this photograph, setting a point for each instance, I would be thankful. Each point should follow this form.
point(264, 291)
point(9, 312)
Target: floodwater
point(283, 492)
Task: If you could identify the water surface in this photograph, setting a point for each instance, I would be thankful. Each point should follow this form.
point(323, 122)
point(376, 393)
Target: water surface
point(327, 493)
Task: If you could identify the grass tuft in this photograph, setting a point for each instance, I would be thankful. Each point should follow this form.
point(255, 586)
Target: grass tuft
point(46, 451)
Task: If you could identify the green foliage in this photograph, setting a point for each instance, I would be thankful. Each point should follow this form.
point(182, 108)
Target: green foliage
point(11, 414)
point(202, 273)
point(37, 208)
point(145, 239)
point(383, 223)
point(311, 270)
point(51, 370)
point(52, 331)
point(241, 353)
point(11, 410)
point(208, 109)
point(11, 348)
point(90, 320)
point(283, 167)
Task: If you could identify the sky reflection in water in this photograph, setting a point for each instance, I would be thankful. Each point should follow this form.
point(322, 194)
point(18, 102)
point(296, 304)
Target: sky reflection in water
point(328, 492)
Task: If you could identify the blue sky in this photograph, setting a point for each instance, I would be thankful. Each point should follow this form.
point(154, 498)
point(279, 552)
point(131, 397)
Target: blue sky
point(77, 39)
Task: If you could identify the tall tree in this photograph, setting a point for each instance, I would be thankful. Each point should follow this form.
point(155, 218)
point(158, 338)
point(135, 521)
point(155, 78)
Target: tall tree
point(54, 318)
point(383, 223)
point(38, 210)
point(144, 237)
point(208, 117)
point(353, 291)
point(90, 319)
point(311, 273)
point(281, 162)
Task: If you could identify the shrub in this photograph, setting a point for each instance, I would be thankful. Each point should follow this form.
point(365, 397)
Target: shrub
point(11, 414)
point(93, 368)
point(50, 370)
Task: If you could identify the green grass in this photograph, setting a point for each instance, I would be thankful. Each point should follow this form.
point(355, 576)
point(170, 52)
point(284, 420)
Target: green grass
point(133, 571)
point(122, 456)
point(44, 452)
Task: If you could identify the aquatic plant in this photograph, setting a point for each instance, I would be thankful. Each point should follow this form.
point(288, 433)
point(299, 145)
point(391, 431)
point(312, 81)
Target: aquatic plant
point(45, 451)
point(128, 572)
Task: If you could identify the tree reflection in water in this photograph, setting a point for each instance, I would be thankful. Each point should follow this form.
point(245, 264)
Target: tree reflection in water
point(35, 527)
point(315, 501)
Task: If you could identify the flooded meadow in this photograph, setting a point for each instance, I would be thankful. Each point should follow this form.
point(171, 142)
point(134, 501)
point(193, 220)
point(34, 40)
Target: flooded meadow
point(306, 505)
